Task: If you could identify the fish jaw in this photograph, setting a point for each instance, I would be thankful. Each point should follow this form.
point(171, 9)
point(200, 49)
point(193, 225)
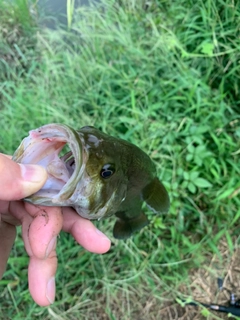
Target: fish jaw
point(42, 147)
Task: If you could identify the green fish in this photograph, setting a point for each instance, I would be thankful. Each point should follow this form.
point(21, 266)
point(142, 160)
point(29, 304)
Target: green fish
point(99, 177)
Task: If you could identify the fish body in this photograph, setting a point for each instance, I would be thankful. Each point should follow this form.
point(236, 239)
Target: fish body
point(100, 176)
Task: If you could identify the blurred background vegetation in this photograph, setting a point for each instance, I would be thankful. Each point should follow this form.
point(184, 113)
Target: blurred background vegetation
point(164, 75)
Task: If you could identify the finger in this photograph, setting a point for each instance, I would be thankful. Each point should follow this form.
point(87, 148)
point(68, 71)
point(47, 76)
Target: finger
point(18, 180)
point(6, 215)
point(7, 237)
point(41, 234)
point(40, 241)
point(41, 279)
point(84, 232)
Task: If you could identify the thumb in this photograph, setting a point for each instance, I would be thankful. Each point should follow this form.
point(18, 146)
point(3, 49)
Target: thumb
point(19, 180)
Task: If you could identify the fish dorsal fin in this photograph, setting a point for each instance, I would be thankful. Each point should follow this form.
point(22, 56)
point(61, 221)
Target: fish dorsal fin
point(156, 197)
point(124, 228)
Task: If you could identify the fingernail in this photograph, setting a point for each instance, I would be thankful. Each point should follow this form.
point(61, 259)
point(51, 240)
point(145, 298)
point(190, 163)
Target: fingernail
point(51, 246)
point(50, 290)
point(103, 236)
point(33, 173)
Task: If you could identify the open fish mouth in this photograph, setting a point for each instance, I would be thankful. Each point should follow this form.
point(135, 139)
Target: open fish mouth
point(43, 147)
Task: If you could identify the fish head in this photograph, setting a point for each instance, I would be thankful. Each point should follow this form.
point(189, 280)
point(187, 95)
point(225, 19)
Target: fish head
point(89, 177)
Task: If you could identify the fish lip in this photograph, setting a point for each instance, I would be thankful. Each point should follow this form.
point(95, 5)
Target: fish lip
point(61, 133)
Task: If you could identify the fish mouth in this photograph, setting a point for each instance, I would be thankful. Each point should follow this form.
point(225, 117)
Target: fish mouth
point(43, 147)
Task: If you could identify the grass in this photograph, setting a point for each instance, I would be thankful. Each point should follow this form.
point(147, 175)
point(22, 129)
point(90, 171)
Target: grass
point(165, 76)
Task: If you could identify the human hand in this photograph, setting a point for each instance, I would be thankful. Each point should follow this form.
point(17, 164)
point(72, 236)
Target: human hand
point(40, 227)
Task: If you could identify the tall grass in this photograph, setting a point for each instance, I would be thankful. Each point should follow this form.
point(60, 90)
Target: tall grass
point(165, 76)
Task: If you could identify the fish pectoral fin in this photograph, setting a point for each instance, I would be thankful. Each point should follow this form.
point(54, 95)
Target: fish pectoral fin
point(123, 229)
point(156, 197)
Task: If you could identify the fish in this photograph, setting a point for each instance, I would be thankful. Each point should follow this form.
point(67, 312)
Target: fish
point(99, 175)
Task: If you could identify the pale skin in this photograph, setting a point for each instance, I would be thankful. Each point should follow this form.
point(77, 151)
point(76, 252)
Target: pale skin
point(40, 227)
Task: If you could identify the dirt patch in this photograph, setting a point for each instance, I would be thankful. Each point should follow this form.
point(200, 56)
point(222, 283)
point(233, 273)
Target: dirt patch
point(204, 286)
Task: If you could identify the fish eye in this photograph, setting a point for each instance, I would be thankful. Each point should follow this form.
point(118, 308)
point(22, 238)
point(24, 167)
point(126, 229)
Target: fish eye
point(107, 171)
